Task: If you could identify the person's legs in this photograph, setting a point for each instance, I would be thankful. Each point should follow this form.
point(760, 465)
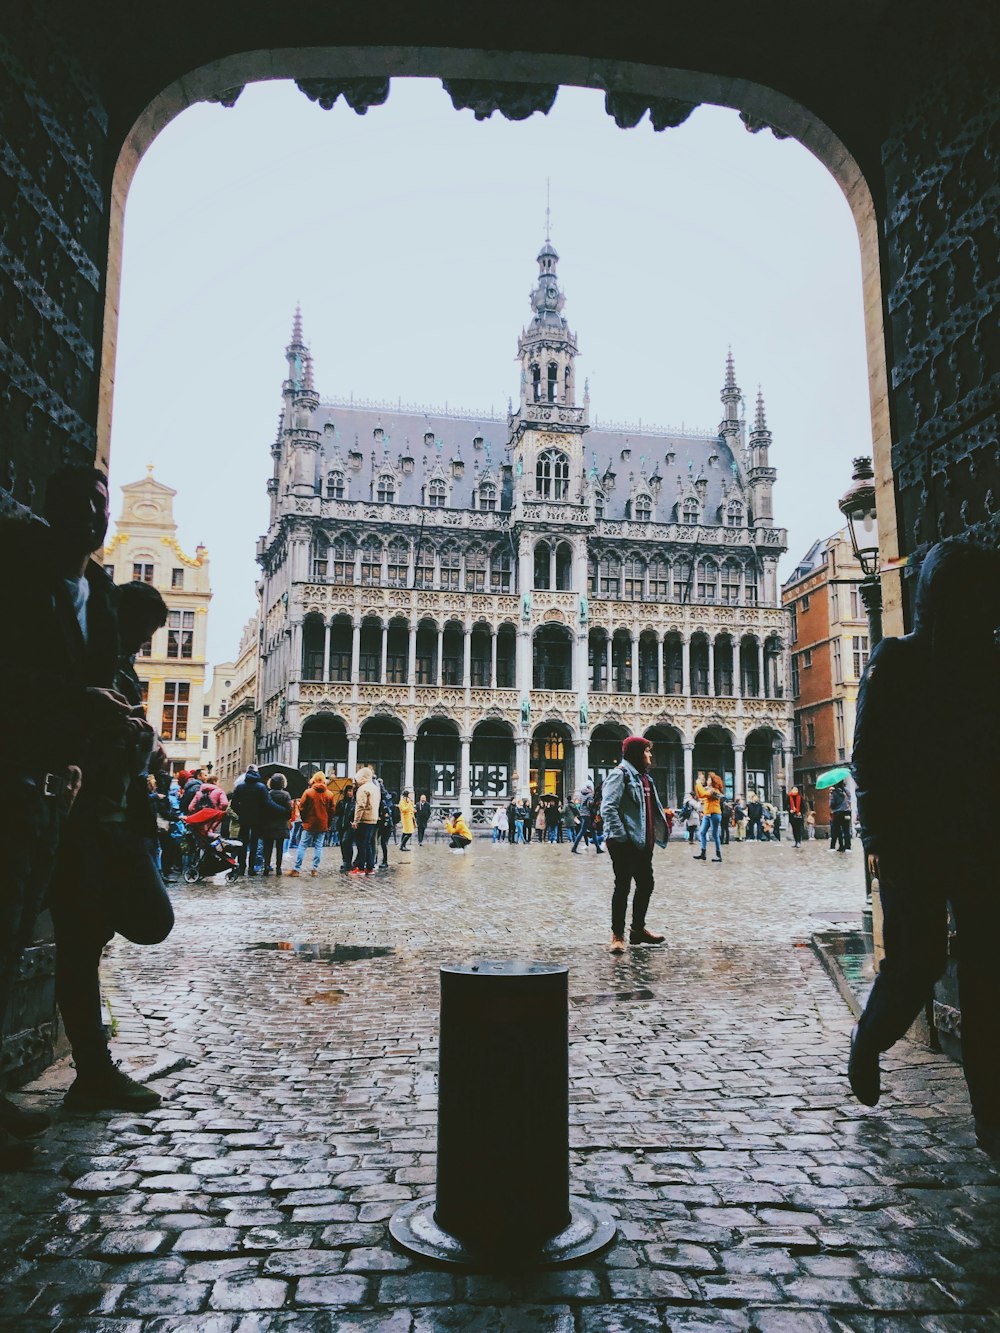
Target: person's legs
point(272, 847)
point(383, 840)
point(706, 824)
point(405, 838)
point(347, 848)
point(583, 832)
point(716, 823)
point(317, 840)
point(621, 863)
point(643, 872)
point(300, 853)
point(977, 917)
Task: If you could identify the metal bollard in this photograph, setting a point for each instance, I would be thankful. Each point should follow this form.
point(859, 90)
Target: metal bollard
point(503, 1195)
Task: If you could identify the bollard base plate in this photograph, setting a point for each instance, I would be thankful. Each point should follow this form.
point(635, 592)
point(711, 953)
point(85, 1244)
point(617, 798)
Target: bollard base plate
point(591, 1228)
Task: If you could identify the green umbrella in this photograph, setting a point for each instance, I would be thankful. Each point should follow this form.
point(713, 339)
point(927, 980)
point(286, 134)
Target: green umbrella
point(831, 778)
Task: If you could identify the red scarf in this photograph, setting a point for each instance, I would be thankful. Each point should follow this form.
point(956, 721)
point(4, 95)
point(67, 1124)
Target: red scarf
point(647, 790)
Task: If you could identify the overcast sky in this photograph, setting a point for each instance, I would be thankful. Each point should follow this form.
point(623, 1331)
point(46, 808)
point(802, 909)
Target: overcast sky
point(409, 235)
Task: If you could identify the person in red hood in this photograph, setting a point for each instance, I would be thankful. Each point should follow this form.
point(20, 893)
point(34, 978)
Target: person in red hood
point(316, 811)
point(634, 823)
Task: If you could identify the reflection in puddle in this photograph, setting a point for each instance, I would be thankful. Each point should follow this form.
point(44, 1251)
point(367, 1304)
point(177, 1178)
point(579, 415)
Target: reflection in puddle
point(326, 953)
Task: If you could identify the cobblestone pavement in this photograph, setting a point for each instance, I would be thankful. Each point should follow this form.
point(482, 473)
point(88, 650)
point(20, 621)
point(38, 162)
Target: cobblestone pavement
point(708, 1108)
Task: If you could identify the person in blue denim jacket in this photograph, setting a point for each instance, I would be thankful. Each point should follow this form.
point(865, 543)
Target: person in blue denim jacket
point(634, 823)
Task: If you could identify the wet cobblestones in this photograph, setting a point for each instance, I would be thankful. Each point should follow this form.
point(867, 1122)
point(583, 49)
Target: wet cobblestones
point(708, 1108)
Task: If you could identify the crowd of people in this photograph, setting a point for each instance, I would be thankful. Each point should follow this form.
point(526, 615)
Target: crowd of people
point(99, 816)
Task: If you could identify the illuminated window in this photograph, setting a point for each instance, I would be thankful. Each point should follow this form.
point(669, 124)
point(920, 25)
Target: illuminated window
point(176, 698)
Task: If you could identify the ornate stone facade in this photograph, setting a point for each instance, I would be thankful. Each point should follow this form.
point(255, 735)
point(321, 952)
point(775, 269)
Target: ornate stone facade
point(484, 605)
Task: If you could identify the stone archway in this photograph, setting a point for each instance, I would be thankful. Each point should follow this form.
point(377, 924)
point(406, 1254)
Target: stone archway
point(323, 745)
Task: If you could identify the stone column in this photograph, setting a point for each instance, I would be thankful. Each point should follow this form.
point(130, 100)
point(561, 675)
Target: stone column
point(385, 653)
point(440, 655)
point(295, 651)
point(738, 771)
point(411, 654)
point(688, 767)
point(525, 570)
point(761, 667)
point(686, 664)
point(524, 658)
point(465, 781)
point(524, 765)
point(352, 753)
point(326, 652)
point(467, 658)
point(737, 669)
point(409, 746)
point(660, 648)
point(635, 667)
point(711, 665)
point(580, 756)
point(493, 658)
point(356, 651)
point(609, 686)
point(789, 767)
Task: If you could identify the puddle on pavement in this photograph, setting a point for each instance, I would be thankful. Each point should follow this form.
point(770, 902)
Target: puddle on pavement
point(326, 997)
point(612, 997)
point(326, 953)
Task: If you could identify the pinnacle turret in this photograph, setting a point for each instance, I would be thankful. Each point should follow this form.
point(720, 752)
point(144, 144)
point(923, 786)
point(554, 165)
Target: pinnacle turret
point(760, 419)
point(730, 370)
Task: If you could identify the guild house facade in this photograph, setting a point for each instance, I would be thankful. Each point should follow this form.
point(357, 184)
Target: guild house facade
point(484, 605)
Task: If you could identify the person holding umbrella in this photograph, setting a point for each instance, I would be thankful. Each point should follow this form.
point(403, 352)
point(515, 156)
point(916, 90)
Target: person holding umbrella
point(835, 780)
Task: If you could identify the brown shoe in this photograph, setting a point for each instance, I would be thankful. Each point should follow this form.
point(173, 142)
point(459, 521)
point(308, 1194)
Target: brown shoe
point(314, 873)
point(645, 936)
point(294, 872)
point(617, 943)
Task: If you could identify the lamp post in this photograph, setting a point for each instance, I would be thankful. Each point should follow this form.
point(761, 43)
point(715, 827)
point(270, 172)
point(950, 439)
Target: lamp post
point(857, 504)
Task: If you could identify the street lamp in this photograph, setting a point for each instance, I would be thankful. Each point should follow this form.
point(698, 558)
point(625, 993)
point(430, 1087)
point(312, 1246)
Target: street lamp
point(857, 504)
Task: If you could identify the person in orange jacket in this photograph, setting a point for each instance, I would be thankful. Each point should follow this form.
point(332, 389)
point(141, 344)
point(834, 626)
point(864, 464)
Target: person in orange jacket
point(710, 795)
point(316, 810)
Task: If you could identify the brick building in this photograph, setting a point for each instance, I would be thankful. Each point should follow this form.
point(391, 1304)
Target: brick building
point(829, 652)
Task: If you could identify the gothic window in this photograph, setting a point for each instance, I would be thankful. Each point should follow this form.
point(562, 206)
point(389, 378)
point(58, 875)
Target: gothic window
point(751, 585)
point(536, 382)
point(708, 581)
point(335, 486)
point(659, 580)
point(609, 576)
point(689, 511)
point(475, 570)
point(487, 496)
point(320, 558)
point(500, 569)
point(567, 396)
point(643, 509)
point(599, 503)
point(552, 475)
point(553, 381)
point(451, 567)
point(542, 565)
point(437, 493)
point(386, 492)
point(633, 572)
point(399, 559)
point(682, 581)
point(592, 564)
point(730, 584)
point(423, 572)
point(371, 563)
point(343, 560)
point(734, 514)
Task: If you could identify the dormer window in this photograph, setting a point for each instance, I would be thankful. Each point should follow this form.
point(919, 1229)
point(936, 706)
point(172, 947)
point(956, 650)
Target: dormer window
point(734, 514)
point(487, 496)
point(335, 486)
point(437, 493)
point(689, 511)
point(552, 475)
point(643, 509)
point(428, 438)
point(378, 434)
point(386, 492)
point(477, 442)
point(599, 503)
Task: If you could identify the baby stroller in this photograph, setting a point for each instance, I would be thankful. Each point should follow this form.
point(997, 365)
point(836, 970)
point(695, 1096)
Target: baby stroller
point(205, 852)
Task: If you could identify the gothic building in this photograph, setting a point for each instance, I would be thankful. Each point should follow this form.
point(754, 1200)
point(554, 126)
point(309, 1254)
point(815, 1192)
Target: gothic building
point(483, 604)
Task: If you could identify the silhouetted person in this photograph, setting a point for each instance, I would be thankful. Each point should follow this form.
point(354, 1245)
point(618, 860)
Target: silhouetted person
point(946, 671)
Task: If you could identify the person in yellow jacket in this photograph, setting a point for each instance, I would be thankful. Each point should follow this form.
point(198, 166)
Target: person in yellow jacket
point(458, 830)
point(407, 819)
point(710, 794)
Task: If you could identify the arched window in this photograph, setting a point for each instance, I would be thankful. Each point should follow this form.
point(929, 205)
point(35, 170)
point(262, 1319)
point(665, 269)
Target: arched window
point(633, 572)
point(487, 496)
point(500, 569)
point(386, 492)
point(609, 576)
point(371, 562)
point(542, 565)
point(437, 493)
point(734, 514)
point(682, 581)
point(451, 567)
point(320, 557)
point(398, 563)
point(343, 560)
point(689, 511)
point(643, 509)
point(552, 475)
point(567, 386)
point(475, 570)
point(751, 584)
point(536, 382)
point(599, 503)
point(335, 486)
point(708, 581)
point(553, 381)
point(659, 580)
point(730, 584)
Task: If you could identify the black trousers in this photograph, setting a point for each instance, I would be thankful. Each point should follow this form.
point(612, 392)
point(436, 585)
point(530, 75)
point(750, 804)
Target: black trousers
point(273, 846)
point(840, 830)
point(24, 880)
point(104, 884)
point(247, 855)
point(796, 823)
point(915, 924)
point(630, 863)
point(347, 847)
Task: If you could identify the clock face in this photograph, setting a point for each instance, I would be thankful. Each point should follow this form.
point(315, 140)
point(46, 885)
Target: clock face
point(552, 293)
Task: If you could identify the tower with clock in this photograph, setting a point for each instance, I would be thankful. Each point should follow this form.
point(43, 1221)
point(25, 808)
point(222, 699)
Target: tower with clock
point(546, 431)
